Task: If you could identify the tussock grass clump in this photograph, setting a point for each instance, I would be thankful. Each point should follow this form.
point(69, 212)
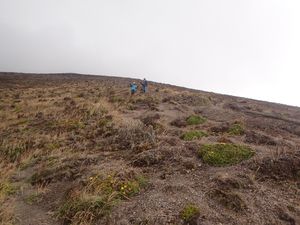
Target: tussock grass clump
point(33, 198)
point(116, 99)
point(6, 211)
point(224, 154)
point(64, 125)
point(283, 167)
point(195, 134)
point(54, 170)
point(236, 129)
point(28, 162)
point(97, 197)
point(6, 189)
point(190, 214)
point(12, 152)
point(122, 187)
point(228, 199)
point(186, 98)
point(179, 122)
point(134, 135)
point(195, 120)
point(146, 102)
point(84, 209)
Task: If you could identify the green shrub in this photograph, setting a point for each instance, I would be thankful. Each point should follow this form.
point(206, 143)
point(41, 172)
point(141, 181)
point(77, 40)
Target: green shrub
point(189, 213)
point(236, 129)
point(195, 134)
point(195, 120)
point(224, 154)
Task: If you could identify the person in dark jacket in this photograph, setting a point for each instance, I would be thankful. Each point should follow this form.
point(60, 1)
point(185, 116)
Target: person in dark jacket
point(144, 84)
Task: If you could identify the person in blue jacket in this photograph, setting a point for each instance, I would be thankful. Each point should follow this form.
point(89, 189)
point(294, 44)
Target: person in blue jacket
point(133, 88)
point(144, 84)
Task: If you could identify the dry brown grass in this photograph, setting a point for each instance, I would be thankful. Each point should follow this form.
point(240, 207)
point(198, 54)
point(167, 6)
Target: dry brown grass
point(36, 126)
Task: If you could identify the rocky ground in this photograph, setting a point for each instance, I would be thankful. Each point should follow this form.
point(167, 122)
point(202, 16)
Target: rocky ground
point(80, 150)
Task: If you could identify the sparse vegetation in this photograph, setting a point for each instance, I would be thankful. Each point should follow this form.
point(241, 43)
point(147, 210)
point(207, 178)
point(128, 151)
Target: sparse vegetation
point(224, 154)
point(190, 214)
point(58, 132)
point(195, 120)
point(195, 134)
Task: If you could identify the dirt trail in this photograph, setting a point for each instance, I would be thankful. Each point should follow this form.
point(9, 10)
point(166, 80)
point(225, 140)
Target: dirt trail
point(32, 214)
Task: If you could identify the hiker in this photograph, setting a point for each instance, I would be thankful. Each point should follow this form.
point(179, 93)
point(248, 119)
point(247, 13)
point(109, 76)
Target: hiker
point(133, 88)
point(144, 84)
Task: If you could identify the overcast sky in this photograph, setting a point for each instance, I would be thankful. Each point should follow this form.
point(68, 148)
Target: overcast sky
point(247, 48)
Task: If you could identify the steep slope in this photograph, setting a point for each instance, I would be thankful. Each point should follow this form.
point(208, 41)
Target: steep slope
point(80, 149)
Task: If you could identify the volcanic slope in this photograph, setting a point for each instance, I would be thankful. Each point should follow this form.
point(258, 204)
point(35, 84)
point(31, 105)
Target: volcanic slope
point(79, 149)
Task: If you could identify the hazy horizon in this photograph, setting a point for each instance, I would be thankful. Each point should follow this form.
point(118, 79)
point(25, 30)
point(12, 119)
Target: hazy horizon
point(240, 48)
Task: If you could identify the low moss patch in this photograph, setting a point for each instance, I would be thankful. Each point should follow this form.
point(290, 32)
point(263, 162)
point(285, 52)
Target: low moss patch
point(190, 213)
point(195, 120)
point(195, 134)
point(224, 154)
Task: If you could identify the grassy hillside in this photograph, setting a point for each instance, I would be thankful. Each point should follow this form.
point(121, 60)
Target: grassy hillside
point(79, 149)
